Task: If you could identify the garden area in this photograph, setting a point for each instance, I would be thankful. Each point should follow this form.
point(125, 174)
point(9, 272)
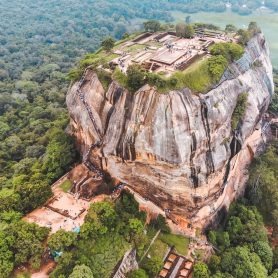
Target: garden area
point(66, 185)
point(180, 242)
point(153, 261)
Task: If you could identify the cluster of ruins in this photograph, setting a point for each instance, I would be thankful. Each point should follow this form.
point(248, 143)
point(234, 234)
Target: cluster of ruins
point(176, 266)
point(165, 52)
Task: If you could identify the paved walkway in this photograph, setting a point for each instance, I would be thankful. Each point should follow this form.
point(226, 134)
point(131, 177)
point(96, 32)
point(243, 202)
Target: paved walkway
point(177, 267)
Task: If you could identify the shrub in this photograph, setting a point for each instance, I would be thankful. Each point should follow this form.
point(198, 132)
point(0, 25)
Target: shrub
point(239, 110)
point(253, 28)
point(201, 270)
point(231, 51)
point(230, 28)
point(104, 78)
point(81, 271)
point(108, 43)
point(153, 265)
point(152, 26)
point(185, 30)
point(264, 251)
point(214, 263)
point(217, 65)
point(244, 36)
point(242, 263)
point(61, 240)
point(138, 273)
point(156, 80)
point(136, 77)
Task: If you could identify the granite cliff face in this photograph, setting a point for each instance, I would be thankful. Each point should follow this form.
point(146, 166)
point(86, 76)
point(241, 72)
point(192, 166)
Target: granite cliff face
point(177, 149)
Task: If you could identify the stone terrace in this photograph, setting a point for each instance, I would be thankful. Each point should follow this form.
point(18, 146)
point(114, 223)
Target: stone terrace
point(164, 52)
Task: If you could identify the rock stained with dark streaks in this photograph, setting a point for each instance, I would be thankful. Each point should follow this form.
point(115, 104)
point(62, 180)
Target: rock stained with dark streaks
point(176, 148)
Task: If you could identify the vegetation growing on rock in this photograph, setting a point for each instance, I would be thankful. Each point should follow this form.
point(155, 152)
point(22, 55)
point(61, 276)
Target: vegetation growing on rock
point(274, 104)
point(198, 79)
point(239, 110)
point(262, 186)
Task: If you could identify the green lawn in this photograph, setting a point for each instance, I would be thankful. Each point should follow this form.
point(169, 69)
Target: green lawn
point(66, 185)
point(197, 78)
point(158, 249)
point(180, 242)
point(134, 48)
point(151, 232)
point(155, 254)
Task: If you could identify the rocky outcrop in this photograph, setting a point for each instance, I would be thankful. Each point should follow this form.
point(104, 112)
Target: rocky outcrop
point(175, 148)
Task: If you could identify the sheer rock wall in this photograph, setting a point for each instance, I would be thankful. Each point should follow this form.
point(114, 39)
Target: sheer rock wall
point(174, 148)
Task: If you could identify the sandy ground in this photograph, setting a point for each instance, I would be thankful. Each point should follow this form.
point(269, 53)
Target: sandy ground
point(45, 270)
point(68, 205)
point(54, 215)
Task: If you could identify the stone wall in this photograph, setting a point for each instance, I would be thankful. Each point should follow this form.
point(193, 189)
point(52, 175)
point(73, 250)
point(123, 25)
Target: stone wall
point(128, 264)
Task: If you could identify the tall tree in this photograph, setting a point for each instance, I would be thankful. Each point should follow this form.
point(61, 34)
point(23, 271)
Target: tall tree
point(81, 271)
point(108, 44)
point(152, 26)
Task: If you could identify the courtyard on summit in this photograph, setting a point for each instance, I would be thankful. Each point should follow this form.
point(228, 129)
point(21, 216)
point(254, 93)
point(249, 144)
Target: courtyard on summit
point(166, 52)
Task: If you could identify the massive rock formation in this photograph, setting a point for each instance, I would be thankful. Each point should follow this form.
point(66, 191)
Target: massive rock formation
point(177, 149)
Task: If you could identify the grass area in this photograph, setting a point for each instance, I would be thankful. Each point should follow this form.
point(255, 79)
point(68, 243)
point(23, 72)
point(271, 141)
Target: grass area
point(151, 232)
point(158, 249)
point(120, 77)
point(130, 37)
point(155, 44)
point(180, 242)
point(153, 261)
point(66, 185)
point(134, 48)
point(97, 58)
point(195, 65)
point(198, 79)
point(94, 59)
